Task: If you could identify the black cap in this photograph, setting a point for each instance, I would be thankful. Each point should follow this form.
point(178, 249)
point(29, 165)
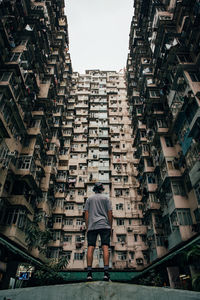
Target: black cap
point(98, 187)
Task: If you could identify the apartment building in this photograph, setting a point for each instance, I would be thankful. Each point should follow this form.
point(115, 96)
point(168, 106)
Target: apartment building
point(98, 139)
point(163, 84)
point(35, 81)
point(61, 131)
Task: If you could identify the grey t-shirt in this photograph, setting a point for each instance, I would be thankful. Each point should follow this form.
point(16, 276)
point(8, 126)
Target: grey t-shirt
point(98, 206)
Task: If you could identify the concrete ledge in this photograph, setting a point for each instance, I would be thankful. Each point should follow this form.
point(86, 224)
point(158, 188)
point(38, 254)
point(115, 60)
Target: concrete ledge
point(97, 291)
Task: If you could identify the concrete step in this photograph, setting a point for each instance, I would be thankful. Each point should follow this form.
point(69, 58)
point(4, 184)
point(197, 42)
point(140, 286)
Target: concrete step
point(98, 290)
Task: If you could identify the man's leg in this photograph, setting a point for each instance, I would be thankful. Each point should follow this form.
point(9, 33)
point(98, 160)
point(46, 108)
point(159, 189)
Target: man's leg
point(105, 240)
point(105, 255)
point(91, 237)
point(90, 252)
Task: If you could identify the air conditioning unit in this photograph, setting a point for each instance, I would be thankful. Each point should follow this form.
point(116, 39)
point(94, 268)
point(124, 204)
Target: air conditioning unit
point(37, 147)
point(13, 153)
point(180, 80)
point(139, 261)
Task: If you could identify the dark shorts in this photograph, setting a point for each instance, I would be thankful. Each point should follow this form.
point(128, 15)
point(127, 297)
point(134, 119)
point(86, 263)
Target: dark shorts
point(104, 234)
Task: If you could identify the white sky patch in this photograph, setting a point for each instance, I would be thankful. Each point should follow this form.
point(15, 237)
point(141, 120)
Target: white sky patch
point(99, 33)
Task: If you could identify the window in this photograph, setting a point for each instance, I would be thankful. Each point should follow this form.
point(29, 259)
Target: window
point(26, 141)
point(53, 253)
point(119, 206)
point(195, 76)
point(78, 238)
point(17, 217)
point(178, 188)
point(118, 192)
point(126, 192)
point(121, 238)
point(174, 220)
point(168, 142)
point(122, 255)
point(24, 162)
point(139, 261)
point(145, 148)
point(197, 215)
point(81, 192)
point(67, 238)
point(5, 76)
point(128, 206)
point(79, 222)
point(140, 206)
point(49, 161)
point(139, 111)
point(59, 203)
point(184, 216)
point(197, 192)
point(154, 94)
point(78, 256)
point(135, 237)
point(153, 198)
point(132, 254)
point(68, 221)
point(69, 206)
point(151, 179)
point(120, 222)
point(66, 254)
point(149, 162)
point(161, 124)
point(56, 235)
point(143, 237)
point(3, 152)
point(58, 220)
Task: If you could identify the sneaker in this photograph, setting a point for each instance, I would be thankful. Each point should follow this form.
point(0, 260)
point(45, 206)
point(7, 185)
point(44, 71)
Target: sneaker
point(89, 276)
point(106, 276)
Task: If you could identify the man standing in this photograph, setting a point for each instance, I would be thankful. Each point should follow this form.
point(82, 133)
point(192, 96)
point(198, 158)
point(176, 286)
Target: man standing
point(98, 219)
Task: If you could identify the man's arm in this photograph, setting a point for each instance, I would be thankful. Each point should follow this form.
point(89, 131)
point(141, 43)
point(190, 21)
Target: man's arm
point(86, 219)
point(110, 218)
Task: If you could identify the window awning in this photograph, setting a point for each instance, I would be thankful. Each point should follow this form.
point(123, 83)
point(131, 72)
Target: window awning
point(170, 256)
point(20, 252)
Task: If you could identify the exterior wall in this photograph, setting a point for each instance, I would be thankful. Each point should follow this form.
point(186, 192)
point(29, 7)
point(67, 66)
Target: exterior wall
point(101, 150)
point(165, 112)
point(34, 87)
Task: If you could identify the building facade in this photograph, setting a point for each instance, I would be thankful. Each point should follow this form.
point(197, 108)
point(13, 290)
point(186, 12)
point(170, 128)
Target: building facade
point(163, 86)
point(35, 81)
point(98, 141)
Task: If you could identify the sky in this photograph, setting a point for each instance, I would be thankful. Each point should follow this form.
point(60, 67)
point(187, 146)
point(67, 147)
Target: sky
point(98, 33)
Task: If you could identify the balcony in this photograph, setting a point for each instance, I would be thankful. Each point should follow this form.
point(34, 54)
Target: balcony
point(174, 238)
point(14, 234)
point(58, 210)
point(194, 127)
point(194, 172)
point(57, 226)
point(20, 200)
point(57, 243)
point(26, 166)
point(4, 129)
point(151, 206)
point(103, 155)
point(165, 173)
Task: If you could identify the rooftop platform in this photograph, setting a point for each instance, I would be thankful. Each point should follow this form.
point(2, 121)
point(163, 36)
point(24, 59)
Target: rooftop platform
point(98, 290)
